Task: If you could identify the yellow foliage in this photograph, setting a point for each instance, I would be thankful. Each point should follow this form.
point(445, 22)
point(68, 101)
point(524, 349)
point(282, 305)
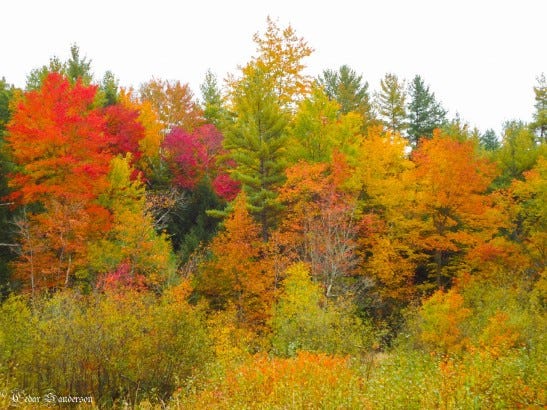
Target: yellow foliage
point(442, 315)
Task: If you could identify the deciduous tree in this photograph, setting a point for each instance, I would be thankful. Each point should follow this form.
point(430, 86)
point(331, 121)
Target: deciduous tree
point(319, 129)
point(236, 273)
point(60, 147)
point(280, 54)
point(174, 103)
point(131, 243)
point(304, 319)
point(453, 205)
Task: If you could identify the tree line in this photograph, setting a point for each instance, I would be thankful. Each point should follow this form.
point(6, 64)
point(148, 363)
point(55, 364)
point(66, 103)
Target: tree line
point(277, 214)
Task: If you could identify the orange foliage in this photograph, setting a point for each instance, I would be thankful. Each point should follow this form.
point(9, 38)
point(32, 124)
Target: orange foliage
point(499, 335)
point(237, 272)
point(297, 382)
point(318, 226)
point(61, 147)
point(453, 211)
point(174, 104)
point(59, 143)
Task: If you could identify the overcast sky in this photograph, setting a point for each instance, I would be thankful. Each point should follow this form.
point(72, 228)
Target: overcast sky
point(480, 57)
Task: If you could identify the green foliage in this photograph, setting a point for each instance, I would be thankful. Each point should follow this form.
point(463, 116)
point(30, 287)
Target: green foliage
point(78, 67)
point(74, 68)
point(347, 88)
point(539, 125)
point(116, 347)
point(424, 112)
point(191, 225)
point(304, 319)
point(212, 103)
point(407, 379)
point(7, 93)
point(318, 129)
point(132, 239)
point(390, 102)
point(489, 141)
point(256, 142)
point(518, 153)
point(108, 89)
point(38, 75)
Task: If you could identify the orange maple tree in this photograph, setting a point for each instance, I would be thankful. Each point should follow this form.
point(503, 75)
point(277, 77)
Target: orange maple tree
point(319, 225)
point(238, 274)
point(60, 146)
point(453, 210)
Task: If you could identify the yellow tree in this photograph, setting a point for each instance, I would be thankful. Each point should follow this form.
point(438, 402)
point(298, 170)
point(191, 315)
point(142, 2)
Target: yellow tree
point(304, 319)
point(174, 103)
point(386, 194)
point(280, 55)
point(132, 250)
point(319, 128)
point(529, 218)
point(282, 51)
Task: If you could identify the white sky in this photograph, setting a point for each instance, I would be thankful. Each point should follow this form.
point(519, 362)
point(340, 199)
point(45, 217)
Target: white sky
point(480, 57)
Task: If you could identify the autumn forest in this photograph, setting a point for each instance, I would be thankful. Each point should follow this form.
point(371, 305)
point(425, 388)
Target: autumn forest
point(273, 241)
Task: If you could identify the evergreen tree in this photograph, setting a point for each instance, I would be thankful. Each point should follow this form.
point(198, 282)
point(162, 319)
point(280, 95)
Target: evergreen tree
point(257, 144)
point(391, 103)
point(6, 94)
point(424, 112)
point(109, 89)
point(539, 125)
point(213, 111)
point(346, 87)
point(489, 141)
point(77, 67)
point(74, 68)
point(38, 75)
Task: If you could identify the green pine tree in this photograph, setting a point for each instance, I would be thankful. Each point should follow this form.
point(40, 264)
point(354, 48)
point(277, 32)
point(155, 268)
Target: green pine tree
point(77, 67)
point(6, 233)
point(257, 142)
point(489, 141)
point(539, 125)
point(212, 104)
point(424, 112)
point(108, 89)
point(347, 88)
point(74, 68)
point(391, 103)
